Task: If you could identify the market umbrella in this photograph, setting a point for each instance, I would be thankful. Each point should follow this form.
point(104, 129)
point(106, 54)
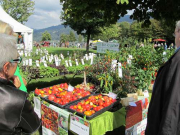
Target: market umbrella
point(162, 40)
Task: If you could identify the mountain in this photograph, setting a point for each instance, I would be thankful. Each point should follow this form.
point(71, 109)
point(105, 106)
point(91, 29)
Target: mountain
point(56, 31)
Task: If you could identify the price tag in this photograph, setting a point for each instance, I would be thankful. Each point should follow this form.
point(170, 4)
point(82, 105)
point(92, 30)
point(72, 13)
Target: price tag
point(92, 59)
point(62, 56)
point(77, 62)
point(46, 57)
point(25, 54)
point(79, 125)
point(120, 70)
point(24, 62)
point(27, 62)
point(86, 57)
point(113, 65)
point(129, 61)
point(70, 63)
point(82, 61)
point(37, 63)
point(146, 93)
point(70, 88)
point(130, 56)
point(52, 56)
point(45, 64)
point(112, 95)
point(30, 62)
point(66, 63)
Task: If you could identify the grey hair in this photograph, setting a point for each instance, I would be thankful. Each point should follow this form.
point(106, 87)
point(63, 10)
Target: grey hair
point(8, 50)
point(178, 25)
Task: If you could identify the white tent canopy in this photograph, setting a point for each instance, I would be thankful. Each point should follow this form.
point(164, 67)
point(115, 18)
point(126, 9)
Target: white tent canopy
point(18, 27)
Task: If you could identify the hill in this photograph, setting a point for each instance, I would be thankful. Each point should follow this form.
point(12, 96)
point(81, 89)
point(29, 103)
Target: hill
point(56, 31)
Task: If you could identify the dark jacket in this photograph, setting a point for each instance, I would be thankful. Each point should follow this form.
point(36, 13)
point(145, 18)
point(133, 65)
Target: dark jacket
point(16, 112)
point(164, 109)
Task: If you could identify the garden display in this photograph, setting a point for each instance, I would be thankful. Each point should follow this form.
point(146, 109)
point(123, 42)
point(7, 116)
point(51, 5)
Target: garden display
point(92, 106)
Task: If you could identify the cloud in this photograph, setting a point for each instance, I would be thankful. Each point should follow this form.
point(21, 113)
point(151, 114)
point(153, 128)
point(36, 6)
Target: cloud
point(46, 14)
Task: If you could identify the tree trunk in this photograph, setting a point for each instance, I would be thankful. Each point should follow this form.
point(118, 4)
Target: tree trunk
point(88, 38)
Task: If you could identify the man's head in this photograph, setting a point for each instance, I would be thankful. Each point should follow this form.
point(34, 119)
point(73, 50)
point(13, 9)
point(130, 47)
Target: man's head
point(177, 34)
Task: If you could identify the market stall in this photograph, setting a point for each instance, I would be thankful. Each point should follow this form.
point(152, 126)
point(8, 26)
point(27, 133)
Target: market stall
point(59, 117)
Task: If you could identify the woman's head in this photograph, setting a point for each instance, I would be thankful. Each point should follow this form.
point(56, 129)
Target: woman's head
point(8, 51)
point(8, 54)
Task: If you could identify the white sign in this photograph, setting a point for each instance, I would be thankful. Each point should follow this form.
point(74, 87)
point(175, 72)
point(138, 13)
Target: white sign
point(120, 70)
point(57, 62)
point(37, 63)
point(137, 129)
point(62, 56)
point(37, 106)
point(45, 64)
point(86, 57)
point(77, 62)
point(27, 62)
point(129, 61)
point(70, 63)
point(79, 125)
point(70, 88)
point(92, 57)
point(24, 62)
point(30, 62)
point(82, 61)
point(112, 95)
point(66, 63)
point(102, 47)
point(113, 65)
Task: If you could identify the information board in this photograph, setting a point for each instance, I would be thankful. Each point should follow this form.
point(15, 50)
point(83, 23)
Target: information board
point(102, 47)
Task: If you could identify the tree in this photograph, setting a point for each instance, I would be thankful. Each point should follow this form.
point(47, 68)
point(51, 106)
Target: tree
point(110, 32)
point(72, 37)
point(64, 38)
point(86, 17)
point(125, 29)
point(46, 36)
point(80, 38)
point(20, 10)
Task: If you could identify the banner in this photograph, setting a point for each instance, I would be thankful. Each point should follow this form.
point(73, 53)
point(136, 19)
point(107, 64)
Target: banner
point(54, 120)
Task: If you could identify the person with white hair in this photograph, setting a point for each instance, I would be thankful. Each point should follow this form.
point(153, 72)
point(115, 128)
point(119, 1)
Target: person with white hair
point(164, 109)
point(17, 115)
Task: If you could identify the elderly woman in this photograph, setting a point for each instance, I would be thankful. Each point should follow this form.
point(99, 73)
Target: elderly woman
point(16, 112)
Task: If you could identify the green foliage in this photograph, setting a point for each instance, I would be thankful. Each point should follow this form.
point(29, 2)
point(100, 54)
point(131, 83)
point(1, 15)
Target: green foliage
point(72, 37)
point(48, 71)
point(80, 38)
point(107, 33)
point(46, 36)
point(75, 69)
point(20, 10)
point(64, 38)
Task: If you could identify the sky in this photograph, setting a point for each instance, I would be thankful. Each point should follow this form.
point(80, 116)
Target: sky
point(46, 14)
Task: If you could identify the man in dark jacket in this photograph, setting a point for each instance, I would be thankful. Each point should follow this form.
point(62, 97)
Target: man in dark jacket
point(16, 112)
point(164, 109)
